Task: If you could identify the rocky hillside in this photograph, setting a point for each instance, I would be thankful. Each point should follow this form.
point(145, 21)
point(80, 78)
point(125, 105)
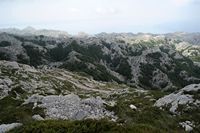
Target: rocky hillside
point(189, 50)
point(35, 99)
point(192, 38)
point(27, 93)
point(146, 61)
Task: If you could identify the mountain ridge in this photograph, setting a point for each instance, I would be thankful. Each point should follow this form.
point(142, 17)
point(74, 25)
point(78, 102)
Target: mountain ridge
point(108, 58)
point(190, 37)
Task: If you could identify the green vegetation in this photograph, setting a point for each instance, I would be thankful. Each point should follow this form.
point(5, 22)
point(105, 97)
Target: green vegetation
point(195, 94)
point(22, 59)
point(4, 56)
point(164, 49)
point(195, 58)
point(35, 55)
point(107, 45)
point(154, 56)
point(145, 114)
point(38, 40)
point(173, 71)
point(58, 86)
point(184, 65)
point(5, 44)
point(147, 73)
point(98, 73)
point(124, 68)
point(153, 43)
point(12, 110)
point(190, 114)
point(137, 52)
point(85, 126)
point(92, 51)
point(121, 65)
point(59, 53)
point(90, 54)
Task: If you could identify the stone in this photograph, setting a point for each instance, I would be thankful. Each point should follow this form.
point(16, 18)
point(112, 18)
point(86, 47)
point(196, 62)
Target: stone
point(37, 118)
point(133, 107)
point(7, 127)
point(187, 125)
point(71, 107)
point(13, 65)
point(173, 100)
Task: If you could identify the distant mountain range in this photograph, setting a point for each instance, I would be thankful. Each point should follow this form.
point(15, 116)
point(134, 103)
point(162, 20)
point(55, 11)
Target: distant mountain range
point(192, 38)
point(32, 31)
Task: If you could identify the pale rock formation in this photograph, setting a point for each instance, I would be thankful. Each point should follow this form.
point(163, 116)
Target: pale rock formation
point(173, 100)
point(7, 127)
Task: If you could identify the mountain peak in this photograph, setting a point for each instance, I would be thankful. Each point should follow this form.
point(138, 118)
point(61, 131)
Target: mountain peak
point(29, 28)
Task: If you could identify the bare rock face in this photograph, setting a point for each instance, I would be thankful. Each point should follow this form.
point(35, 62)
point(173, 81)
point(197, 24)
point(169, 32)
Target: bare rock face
point(37, 118)
point(12, 65)
point(5, 87)
point(187, 125)
point(71, 107)
point(184, 96)
point(7, 127)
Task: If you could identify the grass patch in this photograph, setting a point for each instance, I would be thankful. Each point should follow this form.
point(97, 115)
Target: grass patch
point(146, 113)
point(12, 110)
point(85, 126)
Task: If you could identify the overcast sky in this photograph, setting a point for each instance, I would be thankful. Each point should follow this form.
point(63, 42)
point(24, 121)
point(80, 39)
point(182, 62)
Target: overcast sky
point(93, 16)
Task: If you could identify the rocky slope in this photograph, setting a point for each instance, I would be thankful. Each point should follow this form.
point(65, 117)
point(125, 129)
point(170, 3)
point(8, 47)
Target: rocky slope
point(185, 104)
point(192, 38)
point(187, 96)
point(189, 50)
point(27, 93)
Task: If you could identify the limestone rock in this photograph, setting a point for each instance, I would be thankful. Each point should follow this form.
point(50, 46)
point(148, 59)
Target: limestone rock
point(6, 127)
point(133, 107)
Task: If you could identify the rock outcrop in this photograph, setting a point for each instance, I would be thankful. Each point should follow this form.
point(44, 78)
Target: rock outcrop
point(71, 107)
point(185, 96)
point(7, 127)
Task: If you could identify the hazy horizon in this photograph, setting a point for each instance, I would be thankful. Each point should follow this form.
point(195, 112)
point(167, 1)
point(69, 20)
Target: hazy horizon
point(80, 32)
point(98, 16)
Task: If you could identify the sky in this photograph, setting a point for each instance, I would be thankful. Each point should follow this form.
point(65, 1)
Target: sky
point(94, 16)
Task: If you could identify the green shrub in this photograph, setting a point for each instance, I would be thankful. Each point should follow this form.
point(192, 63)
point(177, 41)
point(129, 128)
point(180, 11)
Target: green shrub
point(4, 56)
point(146, 114)
point(35, 55)
point(12, 110)
point(5, 44)
point(84, 126)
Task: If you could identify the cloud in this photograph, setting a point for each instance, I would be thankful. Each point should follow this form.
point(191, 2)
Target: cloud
point(181, 3)
point(106, 11)
point(100, 15)
point(74, 10)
